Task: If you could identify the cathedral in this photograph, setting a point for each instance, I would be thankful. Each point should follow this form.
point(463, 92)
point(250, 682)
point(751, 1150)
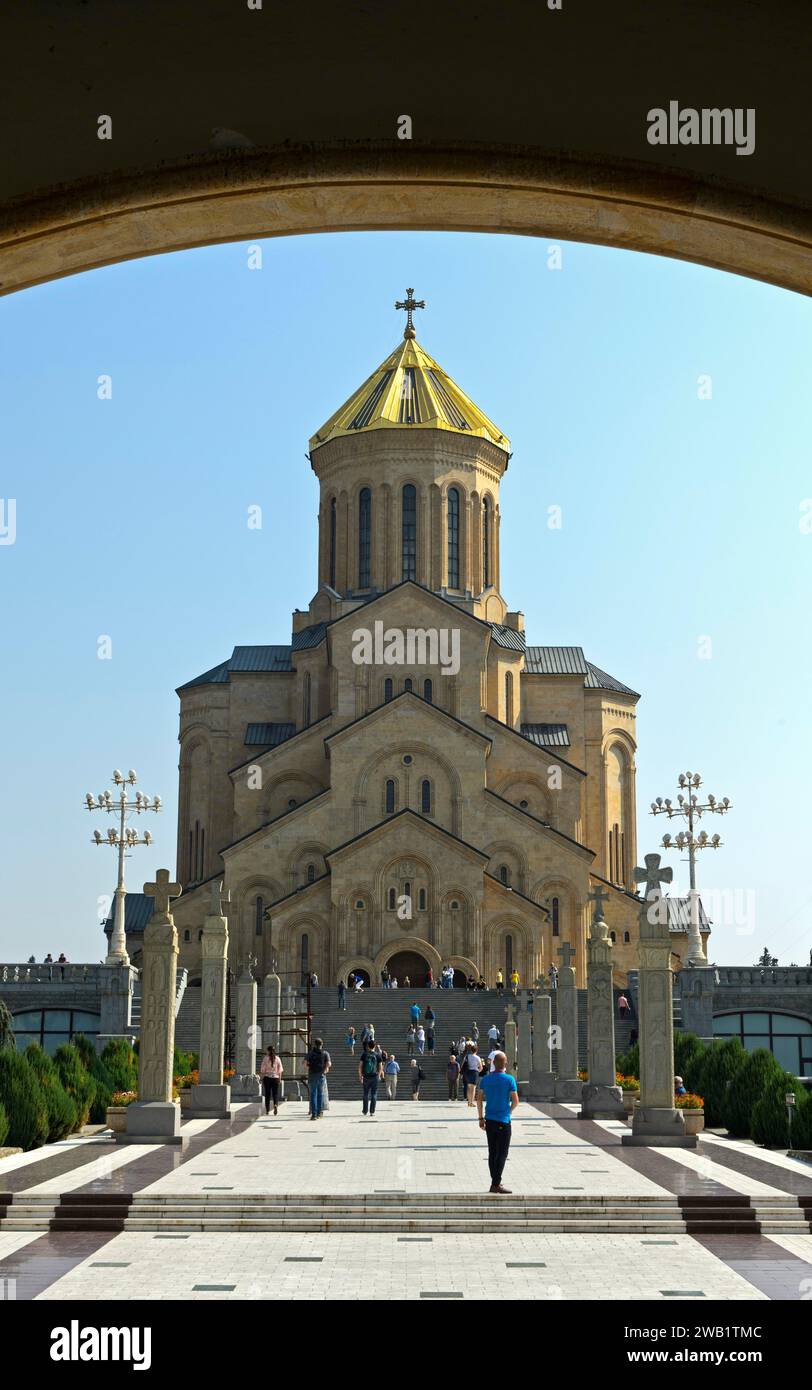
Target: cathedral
point(408, 782)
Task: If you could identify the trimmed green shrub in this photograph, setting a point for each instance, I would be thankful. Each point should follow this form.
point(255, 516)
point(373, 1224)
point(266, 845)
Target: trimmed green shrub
point(769, 1125)
point(183, 1062)
point(94, 1066)
point(720, 1063)
point(689, 1054)
point(76, 1080)
point(23, 1101)
point(629, 1062)
point(748, 1086)
point(802, 1124)
point(62, 1117)
point(122, 1064)
point(3, 1125)
point(6, 1026)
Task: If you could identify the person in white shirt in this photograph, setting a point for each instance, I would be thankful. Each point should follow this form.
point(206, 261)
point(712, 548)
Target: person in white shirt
point(493, 1035)
point(471, 1068)
point(491, 1056)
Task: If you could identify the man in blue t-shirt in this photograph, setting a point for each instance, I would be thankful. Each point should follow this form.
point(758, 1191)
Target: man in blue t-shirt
point(498, 1093)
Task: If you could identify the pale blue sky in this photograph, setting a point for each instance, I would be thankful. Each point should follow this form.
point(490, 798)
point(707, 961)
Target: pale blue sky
point(680, 521)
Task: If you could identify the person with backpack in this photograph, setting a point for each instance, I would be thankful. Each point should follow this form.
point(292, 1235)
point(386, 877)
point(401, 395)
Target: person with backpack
point(369, 1074)
point(271, 1074)
point(391, 1069)
point(471, 1068)
point(417, 1075)
point(318, 1065)
point(411, 1039)
point(453, 1073)
point(414, 1014)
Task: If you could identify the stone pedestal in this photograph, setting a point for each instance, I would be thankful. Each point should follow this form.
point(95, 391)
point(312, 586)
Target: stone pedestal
point(155, 1116)
point(601, 1098)
point(245, 1082)
point(210, 1099)
point(568, 1085)
point(656, 1120)
point(695, 985)
point(116, 984)
point(542, 1076)
point(271, 1009)
point(510, 1040)
point(524, 1057)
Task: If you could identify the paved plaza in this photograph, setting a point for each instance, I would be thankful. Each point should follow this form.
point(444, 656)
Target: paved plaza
point(185, 1228)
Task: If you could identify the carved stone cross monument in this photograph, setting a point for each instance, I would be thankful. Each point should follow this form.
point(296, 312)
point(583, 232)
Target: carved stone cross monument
point(602, 1098)
point(567, 1086)
point(211, 1099)
point(656, 1120)
point(524, 1042)
point(155, 1117)
point(247, 1040)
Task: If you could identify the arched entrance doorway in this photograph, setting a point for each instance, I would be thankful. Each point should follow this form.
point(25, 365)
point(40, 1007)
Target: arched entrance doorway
point(356, 972)
point(409, 963)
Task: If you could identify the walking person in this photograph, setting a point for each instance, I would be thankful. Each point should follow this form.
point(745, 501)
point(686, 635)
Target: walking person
point(391, 1071)
point(493, 1036)
point(270, 1072)
point(453, 1073)
point(318, 1065)
point(421, 1040)
point(553, 977)
point(471, 1068)
point(351, 1040)
point(514, 980)
point(431, 1024)
point(342, 995)
point(623, 1006)
point(430, 979)
point(417, 1075)
point(414, 1014)
point(475, 1031)
point(499, 1095)
point(411, 1039)
point(369, 1074)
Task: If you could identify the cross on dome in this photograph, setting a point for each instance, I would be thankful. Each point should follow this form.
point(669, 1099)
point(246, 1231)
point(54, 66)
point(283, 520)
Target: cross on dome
point(409, 304)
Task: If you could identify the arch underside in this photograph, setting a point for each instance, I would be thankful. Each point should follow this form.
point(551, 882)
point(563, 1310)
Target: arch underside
point(237, 196)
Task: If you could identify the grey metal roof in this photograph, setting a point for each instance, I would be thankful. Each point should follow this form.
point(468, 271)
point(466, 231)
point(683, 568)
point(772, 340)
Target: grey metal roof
point(309, 636)
point(679, 915)
point(508, 637)
point(599, 680)
point(138, 909)
point(244, 659)
point(547, 735)
point(269, 735)
point(556, 661)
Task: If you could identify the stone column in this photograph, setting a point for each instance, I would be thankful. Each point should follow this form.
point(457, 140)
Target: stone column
point(695, 986)
point(510, 1040)
point(245, 1085)
point(601, 1098)
point(211, 1099)
point(656, 1119)
point(155, 1117)
point(524, 1061)
point(567, 1086)
point(271, 1007)
point(542, 1077)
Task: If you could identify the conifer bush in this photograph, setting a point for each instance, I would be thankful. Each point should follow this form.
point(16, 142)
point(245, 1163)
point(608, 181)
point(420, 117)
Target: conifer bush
point(105, 1085)
point(3, 1125)
point(76, 1080)
point(751, 1082)
point(770, 1124)
point(122, 1064)
point(689, 1054)
point(62, 1116)
point(23, 1101)
point(720, 1063)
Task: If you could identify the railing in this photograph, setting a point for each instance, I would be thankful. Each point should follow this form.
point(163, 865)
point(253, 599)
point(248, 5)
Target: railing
point(781, 975)
point(40, 973)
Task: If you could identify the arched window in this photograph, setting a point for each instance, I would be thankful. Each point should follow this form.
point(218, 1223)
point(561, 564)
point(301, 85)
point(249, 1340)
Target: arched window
point(391, 899)
point(425, 797)
point(390, 796)
point(388, 689)
point(616, 792)
point(428, 690)
point(187, 935)
point(508, 697)
point(421, 900)
point(504, 875)
point(486, 542)
point(407, 889)
point(556, 913)
point(409, 533)
point(305, 958)
point(332, 542)
point(306, 700)
point(612, 937)
point(626, 938)
point(259, 908)
point(200, 934)
point(311, 873)
point(364, 537)
point(408, 684)
point(788, 1036)
point(508, 956)
point(453, 538)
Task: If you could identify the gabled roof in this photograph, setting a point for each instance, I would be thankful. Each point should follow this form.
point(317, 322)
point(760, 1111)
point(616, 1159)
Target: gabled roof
point(570, 661)
point(599, 680)
point(268, 735)
point(274, 658)
point(547, 735)
point(409, 390)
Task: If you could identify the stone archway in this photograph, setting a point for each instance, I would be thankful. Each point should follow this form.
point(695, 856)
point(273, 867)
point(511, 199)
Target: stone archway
point(411, 963)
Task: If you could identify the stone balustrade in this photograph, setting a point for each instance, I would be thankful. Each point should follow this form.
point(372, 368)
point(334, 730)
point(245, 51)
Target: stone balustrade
point(38, 973)
point(786, 976)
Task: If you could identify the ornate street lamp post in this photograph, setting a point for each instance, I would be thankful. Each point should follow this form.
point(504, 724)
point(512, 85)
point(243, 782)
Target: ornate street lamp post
point(691, 809)
point(122, 839)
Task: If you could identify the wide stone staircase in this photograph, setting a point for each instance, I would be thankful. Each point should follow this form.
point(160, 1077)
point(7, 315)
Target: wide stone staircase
point(388, 1011)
